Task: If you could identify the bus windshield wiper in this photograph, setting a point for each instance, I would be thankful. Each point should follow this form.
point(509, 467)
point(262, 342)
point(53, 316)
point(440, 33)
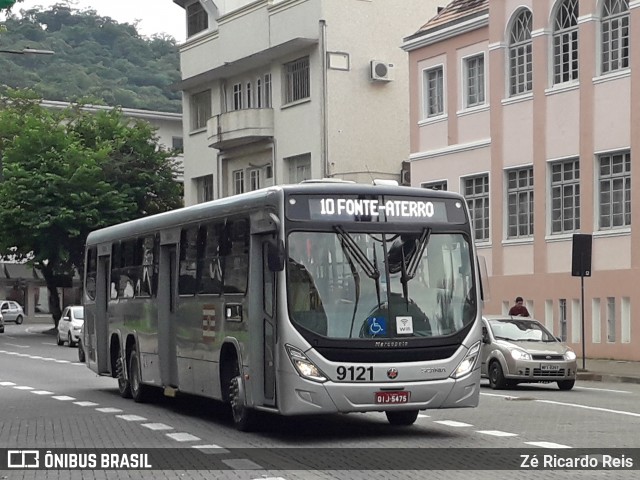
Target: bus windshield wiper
point(350, 246)
point(408, 272)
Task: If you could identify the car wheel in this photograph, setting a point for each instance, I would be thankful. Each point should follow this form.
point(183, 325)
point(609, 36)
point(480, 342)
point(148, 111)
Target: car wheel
point(566, 384)
point(81, 357)
point(2, 329)
point(124, 387)
point(60, 342)
point(19, 320)
point(402, 418)
point(70, 340)
point(496, 376)
point(139, 391)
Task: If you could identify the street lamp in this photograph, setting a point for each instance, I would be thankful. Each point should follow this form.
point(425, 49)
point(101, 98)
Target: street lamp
point(28, 51)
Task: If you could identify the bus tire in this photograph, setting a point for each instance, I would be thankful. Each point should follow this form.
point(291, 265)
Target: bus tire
point(243, 416)
point(124, 387)
point(402, 417)
point(139, 391)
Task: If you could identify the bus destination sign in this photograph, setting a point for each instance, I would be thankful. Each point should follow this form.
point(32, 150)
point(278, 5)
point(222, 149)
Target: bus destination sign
point(375, 209)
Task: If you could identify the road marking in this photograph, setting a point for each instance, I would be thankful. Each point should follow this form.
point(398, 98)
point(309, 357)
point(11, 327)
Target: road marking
point(242, 464)
point(109, 410)
point(210, 448)
point(601, 389)
point(452, 423)
point(14, 345)
point(23, 387)
point(497, 433)
point(6, 384)
point(63, 398)
point(42, 392)
point(157, 426)
point(422, 415)
point(132, 418)
point(547, 445)
point(86, 404)
point(183, 437)
point(599, 409)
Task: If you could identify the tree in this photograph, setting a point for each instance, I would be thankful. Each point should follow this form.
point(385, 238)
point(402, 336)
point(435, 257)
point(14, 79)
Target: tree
point(66, 173)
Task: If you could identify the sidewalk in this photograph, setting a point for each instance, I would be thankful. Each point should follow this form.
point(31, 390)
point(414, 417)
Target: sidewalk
point(609, 371)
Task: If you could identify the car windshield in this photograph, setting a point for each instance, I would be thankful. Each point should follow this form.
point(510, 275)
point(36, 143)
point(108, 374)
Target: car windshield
point(78, 313)
point(516, 330)
point(366, 285)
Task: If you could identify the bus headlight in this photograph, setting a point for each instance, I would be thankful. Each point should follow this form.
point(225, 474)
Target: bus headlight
point(305, 367)
point(468, 362)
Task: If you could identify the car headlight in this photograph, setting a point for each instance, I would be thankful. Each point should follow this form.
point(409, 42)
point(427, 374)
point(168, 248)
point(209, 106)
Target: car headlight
point(518, 354)
point(305, 367)
point(570, 355)
point(468, 362)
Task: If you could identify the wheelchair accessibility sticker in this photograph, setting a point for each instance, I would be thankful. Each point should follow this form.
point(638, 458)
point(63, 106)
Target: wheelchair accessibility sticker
point(377, 326)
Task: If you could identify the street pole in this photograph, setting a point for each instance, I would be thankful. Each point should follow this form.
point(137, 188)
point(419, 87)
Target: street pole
point(582, 314)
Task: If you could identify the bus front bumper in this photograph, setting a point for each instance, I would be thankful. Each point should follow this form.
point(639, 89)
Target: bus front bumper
point(307, 397)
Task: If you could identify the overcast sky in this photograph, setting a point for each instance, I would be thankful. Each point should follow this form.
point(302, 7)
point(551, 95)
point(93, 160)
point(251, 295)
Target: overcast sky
point(154, 16)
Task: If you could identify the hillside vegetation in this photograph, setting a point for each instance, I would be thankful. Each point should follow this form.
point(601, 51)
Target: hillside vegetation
point(96, 60)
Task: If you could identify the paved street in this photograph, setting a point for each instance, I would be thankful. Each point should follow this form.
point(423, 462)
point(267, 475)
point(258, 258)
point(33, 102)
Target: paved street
point(51, 401)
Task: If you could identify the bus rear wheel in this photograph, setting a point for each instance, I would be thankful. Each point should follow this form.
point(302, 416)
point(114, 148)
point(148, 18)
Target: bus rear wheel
point(139, 391)
point(124, 387)
point(244, 418)
point(402, 418)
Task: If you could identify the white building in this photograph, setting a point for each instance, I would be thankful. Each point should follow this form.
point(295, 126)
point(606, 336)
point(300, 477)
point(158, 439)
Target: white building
point(280, 91)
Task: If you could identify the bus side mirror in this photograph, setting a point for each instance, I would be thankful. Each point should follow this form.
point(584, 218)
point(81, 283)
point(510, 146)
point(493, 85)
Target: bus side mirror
point(275, 256)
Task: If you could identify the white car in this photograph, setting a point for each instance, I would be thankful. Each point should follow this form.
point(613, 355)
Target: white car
point(70, 325)
point(11, 311)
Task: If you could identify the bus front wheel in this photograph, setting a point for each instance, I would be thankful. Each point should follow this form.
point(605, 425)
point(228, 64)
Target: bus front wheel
point(403, 417)
point(243, 416)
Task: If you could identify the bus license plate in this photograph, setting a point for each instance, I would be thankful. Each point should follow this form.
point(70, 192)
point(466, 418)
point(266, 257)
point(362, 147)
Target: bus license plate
point(392, 397)
point(549, 368)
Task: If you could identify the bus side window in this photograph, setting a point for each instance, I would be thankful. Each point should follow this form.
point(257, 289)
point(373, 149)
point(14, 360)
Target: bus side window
point(236, 261)
point(210, 260)
point(188, 261)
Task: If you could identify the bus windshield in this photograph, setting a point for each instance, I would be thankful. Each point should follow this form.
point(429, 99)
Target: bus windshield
point(346, 285)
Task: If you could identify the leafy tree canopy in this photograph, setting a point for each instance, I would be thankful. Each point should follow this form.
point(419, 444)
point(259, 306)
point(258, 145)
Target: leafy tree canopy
point(94, 55)
point(68, 172)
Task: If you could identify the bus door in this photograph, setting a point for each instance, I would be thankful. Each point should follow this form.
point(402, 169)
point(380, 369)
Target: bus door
point(99, 351)
point(167, 293)
point(268, 310)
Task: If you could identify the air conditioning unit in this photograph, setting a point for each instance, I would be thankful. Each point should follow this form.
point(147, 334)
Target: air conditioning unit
point(381, 71)
point(405, 174)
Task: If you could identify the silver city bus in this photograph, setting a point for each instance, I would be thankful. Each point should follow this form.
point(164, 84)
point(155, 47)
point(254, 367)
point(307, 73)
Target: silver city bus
point(296, 299)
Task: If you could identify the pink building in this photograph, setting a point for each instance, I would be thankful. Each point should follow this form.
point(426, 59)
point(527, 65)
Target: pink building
point(525, 107)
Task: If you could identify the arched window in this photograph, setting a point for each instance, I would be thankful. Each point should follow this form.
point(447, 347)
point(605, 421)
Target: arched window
point(520, 63)
point(565, 42)
point(615, 35)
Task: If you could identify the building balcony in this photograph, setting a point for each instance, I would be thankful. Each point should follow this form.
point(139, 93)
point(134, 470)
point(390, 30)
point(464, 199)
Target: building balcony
point(240, 127)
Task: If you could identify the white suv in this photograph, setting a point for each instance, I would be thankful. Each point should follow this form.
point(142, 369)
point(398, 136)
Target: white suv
point(11, 311)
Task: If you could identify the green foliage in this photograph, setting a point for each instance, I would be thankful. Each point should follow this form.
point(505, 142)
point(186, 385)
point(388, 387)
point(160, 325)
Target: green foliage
point(94, 56)
point(68, 172)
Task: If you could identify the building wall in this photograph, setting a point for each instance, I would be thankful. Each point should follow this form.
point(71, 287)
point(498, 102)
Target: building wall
point(350, 126)
point(581, 119)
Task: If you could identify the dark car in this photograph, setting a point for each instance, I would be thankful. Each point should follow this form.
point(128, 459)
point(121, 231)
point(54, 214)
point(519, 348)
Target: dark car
point(521, 350)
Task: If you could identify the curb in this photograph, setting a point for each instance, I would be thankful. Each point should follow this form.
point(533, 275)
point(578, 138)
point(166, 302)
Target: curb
point(606, 377)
